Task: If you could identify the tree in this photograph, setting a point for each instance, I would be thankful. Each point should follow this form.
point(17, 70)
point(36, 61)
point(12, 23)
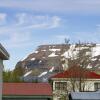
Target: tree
point(11, 76)
point(6, 76)
point(78, 55)
point(19, 71)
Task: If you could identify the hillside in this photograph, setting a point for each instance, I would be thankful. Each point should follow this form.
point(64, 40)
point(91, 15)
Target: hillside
point(46, 60)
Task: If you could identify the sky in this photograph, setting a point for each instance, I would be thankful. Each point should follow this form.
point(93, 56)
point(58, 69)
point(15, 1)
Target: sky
point(26, 24)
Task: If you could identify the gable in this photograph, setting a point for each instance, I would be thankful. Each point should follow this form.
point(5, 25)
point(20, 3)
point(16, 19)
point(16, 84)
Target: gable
point(3, 53)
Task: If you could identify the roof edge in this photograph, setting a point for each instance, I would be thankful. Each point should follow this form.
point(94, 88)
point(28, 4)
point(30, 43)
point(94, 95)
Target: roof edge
point(4, 52)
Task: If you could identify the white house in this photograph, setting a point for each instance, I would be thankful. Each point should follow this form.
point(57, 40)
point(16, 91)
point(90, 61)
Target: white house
point(72, 80)
point(3, 56)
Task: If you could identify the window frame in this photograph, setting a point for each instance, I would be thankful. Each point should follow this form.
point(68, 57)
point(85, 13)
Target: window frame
point(61, 85)
point(97, 86)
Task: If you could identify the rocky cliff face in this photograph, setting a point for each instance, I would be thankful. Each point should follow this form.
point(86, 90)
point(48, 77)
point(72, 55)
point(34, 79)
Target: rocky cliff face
point(44, 57)
point(48, 57)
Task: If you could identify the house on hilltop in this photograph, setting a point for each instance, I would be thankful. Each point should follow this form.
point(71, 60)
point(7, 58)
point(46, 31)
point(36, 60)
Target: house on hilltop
point(74, 79)
point(3, 56)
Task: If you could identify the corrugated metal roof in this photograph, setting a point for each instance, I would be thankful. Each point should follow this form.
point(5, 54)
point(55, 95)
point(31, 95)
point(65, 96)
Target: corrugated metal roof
point(85, 95)
point(27, 89)
point(77, 72)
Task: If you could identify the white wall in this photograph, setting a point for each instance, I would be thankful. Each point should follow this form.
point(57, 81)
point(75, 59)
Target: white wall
point(89, 86)
point(1, 68)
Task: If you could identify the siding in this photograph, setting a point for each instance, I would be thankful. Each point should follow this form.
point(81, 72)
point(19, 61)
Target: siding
point(23, 99)
point(1, 68)
point(27, 98)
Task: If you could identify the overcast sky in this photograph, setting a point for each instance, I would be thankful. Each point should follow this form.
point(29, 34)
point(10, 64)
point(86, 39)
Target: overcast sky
point(26, 24)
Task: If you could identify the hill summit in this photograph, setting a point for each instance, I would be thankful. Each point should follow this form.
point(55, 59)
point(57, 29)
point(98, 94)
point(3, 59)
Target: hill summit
point(46, 60)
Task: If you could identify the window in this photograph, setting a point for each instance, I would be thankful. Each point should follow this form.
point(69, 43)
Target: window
point(60, 85)
point(97, 86)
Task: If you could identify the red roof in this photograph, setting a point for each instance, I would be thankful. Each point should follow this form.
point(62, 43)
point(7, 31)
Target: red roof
point(27, 89)
point(77, 72)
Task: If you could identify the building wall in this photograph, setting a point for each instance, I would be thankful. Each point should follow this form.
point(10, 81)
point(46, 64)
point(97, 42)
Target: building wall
point(1, 68)
point(89, 86)
point(24, 99)
point(27, 97)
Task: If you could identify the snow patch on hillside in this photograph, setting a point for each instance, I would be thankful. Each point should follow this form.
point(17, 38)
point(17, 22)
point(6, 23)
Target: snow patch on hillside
point(40, 61)
point(43, 50)
point(33, 59)
point(42, 74)
point(94, 59)
point(96, 51)
point(88, 53)
point(28, 73)
point(81, 48)
point(52, 69)
point(36, 51)
point(89, 66)
point(52, 55)
point(54, 50)
point(71, 53)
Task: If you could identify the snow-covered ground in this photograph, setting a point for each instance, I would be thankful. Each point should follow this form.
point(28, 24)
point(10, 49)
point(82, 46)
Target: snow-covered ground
point(36, 51)
point(33, 59)
point(40, 61)
point(96, 51)
point(54, 50)
point(43, 50)
point(89, 66)
point(46, 72)
point(42, 74)
point(52, 69)
point(71, 53)
point(28, 73)
point(52, 55)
